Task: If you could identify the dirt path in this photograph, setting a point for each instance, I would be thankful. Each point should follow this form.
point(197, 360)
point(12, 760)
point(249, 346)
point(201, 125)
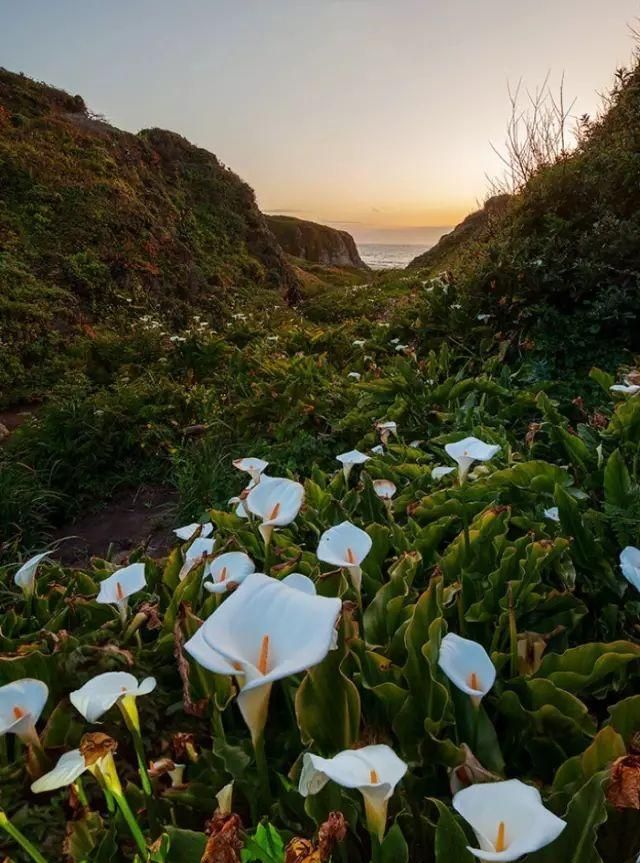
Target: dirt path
point(133, 518)
point(13, 417)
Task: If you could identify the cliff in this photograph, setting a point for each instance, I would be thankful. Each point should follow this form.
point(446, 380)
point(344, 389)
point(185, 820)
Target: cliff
point(94, 220)
point(318, 244)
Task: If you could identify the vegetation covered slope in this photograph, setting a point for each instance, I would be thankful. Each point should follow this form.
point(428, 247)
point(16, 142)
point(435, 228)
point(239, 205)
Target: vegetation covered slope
point(316, 243)
point(95, 222)
point(565, 259)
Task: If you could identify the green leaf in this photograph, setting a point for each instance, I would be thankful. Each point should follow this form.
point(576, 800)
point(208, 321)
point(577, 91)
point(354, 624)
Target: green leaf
point(577, 842)
point(265, 846)
point(394, 848)
point(450, 841)
point(185, 845)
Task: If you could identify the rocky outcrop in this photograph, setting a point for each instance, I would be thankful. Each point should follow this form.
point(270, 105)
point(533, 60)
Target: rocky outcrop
point(475, 228)
point(316, 243)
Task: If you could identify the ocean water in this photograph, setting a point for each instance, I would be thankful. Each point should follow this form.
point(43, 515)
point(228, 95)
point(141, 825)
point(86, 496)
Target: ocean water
point(389, 256)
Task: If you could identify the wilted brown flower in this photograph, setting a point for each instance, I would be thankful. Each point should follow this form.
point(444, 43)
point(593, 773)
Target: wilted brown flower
point(332, 831)
point(96, 745)
point(624, 787)
point(470, 772)
point(183, 746)
point(225, 841)
point(533, 430)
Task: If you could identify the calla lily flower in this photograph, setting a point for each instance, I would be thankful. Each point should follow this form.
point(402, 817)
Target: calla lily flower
point(373, 770)
point(21, 704)
point(508, 818)
point(113, 687)
point(384, 488)
point(276, 501)
point(265, 631)
point(468, 450)
point(358, 343)
point(255, 467)
point(553, 513)
point(199, 550)
point(298, 581)
point(378, 450)
point(386, 429)
point(401, 347)
point(70, 766)
point(349, 459)
point(625, 389)
point(440, 471)
point(467, 665)
point(346, 546)
point(117, 588)
point(25, 577)
point(227, 571)
point(189, 530)
point(355, 375)
point(630, 565)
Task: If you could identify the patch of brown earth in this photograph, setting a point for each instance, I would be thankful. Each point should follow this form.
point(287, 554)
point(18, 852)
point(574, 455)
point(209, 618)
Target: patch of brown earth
point(134, 518)
point(13, 417)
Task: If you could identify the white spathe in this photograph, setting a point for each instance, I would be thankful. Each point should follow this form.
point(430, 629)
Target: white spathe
point(255, 467)
point(21, 704)
point(265, 631)
point(227, 571)
point(625, 389)
point(467, 665)
point(349, 459)
point(70, 766)
point(630, 565)
point(469, 450)
point(200, 549)
point(553, 513)
point(346, 546)
point(354, 376)
point(384, 488)
point(25, 577)
point(508, 818)
point(276, 501)
point(118, 587)
point(373, 770)
point(104, 690)
point(378, 449)
point(189, 530)
point(440, 471)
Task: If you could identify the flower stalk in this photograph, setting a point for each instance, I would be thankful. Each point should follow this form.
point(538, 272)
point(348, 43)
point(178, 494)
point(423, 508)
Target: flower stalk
point(18, 837)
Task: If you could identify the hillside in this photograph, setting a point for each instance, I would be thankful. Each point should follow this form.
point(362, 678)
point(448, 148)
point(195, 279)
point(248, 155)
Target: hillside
point(565, 257)
point(96, 222)
point(477, 227)
point(316, 243)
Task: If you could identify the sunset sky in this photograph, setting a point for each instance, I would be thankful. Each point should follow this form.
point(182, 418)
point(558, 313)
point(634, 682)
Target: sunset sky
point(370, 114)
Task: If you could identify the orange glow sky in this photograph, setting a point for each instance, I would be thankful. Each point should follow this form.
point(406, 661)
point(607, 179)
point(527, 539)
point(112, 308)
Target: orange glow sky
point(370, 114)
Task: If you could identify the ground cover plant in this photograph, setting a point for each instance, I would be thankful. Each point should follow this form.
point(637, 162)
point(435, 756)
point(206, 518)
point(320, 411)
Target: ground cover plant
point(320, 613)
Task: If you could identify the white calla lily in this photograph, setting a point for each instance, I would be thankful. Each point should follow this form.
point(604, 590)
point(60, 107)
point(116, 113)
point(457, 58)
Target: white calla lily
point(467, 665)
point(440, 471)
point(386, 429)
point(199, 550)
point(358, 343)
point(630, 565)
point(349, 459)
point(508, 818)
point(189, 530)
point(118, 587)
point(227, 571)
point(346, 546)
point(354, 376)
point(103, 691)
point(21, 704)
point(25, 577)
point(553, 513)
point(276, 501)
point(469, 450)
point(373, 770)
point(265, 631)
point(255, 467)
point(378, 449)
point(298, 581)
point(384, 488)
point(625, 389)
point(70, 766)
